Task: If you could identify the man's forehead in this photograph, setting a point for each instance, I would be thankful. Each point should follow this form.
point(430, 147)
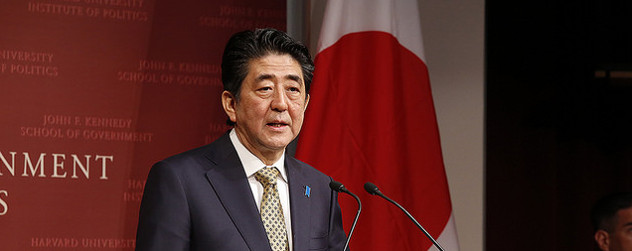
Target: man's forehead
point(624, 217)
point(269, 65)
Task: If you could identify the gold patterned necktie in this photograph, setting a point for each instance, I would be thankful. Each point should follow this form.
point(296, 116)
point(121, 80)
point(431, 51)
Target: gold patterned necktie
point(271, 212)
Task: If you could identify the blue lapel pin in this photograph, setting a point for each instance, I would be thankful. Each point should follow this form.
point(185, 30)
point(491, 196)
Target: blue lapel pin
point(308, 191)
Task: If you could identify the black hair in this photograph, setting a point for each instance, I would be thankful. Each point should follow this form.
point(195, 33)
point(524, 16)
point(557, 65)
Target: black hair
point(604, 213)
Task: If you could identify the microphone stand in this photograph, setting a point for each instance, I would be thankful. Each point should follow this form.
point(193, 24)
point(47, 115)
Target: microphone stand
point(372, 189)
point(355, 220)
point(339, 187)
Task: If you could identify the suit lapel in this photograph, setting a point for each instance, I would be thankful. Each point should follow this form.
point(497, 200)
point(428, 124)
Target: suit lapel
point(299, 204)
point(231, 186)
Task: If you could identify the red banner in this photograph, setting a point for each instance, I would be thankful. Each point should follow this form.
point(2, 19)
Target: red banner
point(92, 93)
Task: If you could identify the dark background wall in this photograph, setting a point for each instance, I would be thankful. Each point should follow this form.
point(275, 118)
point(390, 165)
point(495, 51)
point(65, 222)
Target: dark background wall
point(558, 119)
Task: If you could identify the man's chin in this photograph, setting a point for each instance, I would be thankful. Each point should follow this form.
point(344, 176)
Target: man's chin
point(278, 143)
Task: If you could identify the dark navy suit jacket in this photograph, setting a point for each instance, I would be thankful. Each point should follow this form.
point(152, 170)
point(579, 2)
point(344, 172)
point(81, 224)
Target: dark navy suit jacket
point(201, 200)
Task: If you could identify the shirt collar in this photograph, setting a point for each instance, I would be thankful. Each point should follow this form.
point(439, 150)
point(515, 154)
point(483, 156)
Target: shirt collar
point(250, 162)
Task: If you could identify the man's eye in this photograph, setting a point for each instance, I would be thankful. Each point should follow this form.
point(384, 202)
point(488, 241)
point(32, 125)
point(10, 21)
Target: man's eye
point(294, 89)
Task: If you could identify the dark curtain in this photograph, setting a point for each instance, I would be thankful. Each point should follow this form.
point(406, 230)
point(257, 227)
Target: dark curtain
point(558, 119)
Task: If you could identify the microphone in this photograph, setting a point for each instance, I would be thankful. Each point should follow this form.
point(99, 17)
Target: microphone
point(373, 190)
point(339, 187)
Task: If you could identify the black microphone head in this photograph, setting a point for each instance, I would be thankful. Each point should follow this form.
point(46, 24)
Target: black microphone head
point(371, 188)
point(337, 186)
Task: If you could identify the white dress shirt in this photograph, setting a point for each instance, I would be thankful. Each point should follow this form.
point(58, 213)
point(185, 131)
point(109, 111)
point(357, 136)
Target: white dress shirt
point(251, 165)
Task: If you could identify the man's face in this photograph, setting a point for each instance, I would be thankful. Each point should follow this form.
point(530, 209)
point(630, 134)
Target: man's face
point(271, 106)
point(621, 237)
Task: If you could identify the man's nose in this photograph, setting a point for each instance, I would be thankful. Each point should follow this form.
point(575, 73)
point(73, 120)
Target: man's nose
point(279, 101)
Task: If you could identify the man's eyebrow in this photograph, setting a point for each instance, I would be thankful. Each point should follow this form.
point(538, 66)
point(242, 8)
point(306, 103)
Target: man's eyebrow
point(264, 77)
point(292, 77)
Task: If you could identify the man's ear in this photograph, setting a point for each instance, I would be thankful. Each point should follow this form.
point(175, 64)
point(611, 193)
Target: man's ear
point(603, 239)
point(306, 102)
point(229, 102)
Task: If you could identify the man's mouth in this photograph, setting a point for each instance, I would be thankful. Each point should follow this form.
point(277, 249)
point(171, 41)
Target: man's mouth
point(277, 124)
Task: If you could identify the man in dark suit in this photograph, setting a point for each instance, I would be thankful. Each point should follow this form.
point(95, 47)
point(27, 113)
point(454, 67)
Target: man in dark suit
point(214, 197)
